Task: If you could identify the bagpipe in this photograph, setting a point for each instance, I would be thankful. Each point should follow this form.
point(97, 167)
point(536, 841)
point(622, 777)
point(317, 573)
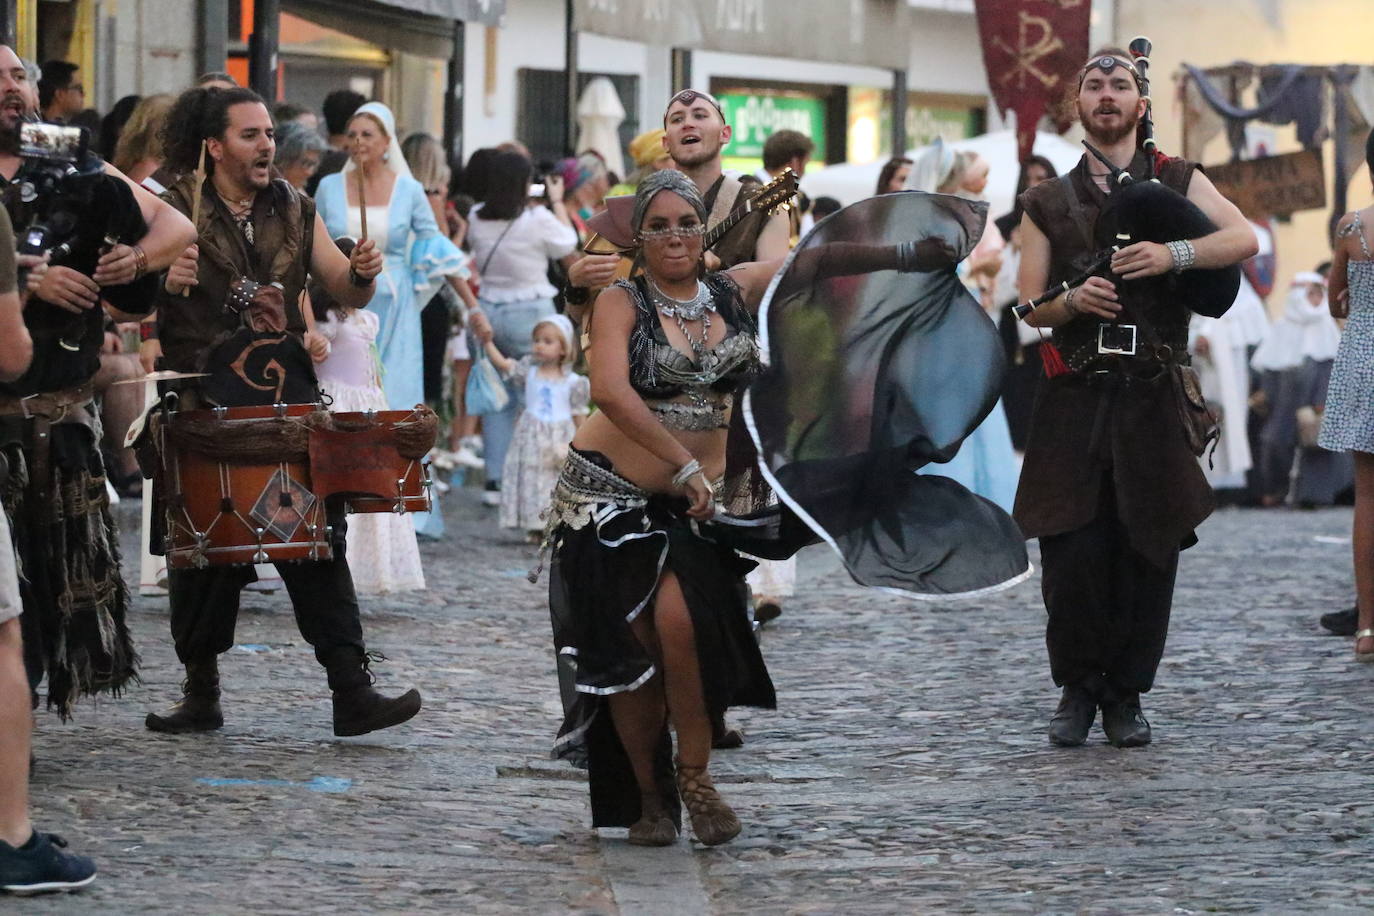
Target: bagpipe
point(1147, 210)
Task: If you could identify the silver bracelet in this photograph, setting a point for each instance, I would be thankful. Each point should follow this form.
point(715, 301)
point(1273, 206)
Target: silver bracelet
point(906, 257)
point(1183, 253)
point(1068, 303)
point(686, 473)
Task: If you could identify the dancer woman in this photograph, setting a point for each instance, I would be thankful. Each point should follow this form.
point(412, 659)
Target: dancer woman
point(645, 590)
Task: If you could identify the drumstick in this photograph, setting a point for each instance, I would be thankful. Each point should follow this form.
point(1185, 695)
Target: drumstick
point(362, 203)
point(195, 198)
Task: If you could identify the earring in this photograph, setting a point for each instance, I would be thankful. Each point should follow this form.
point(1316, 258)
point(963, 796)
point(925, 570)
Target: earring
point(386, 157)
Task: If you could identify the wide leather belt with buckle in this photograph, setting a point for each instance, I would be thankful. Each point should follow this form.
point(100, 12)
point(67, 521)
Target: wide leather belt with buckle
point(52, 405)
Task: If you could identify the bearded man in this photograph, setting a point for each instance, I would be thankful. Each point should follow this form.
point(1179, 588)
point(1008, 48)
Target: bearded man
point(256, 233)
point(1109, 484)
point(52, 478)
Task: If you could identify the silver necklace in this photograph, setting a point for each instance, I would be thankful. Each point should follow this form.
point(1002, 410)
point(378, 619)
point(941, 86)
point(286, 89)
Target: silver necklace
point(698, 308)
point(691, 309)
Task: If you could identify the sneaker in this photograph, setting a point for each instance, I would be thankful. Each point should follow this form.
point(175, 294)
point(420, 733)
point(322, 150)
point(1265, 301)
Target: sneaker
point(472, 444)
point(441, 459)
point(40, 866)
point(467, 458)
point(491, 496)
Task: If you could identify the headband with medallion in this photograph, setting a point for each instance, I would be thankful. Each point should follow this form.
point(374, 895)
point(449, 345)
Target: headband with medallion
point(1107, 63)
point(687, 97)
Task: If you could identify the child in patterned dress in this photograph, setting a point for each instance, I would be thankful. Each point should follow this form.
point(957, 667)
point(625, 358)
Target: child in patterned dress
point(555, 404)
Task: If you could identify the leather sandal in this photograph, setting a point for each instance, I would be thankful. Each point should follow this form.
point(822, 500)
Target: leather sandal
point(1363, 656)
point(713, 821)
point(654, 827)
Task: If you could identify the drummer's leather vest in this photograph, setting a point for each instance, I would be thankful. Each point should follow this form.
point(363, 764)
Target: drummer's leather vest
point(192, 327)
point(1066, 209)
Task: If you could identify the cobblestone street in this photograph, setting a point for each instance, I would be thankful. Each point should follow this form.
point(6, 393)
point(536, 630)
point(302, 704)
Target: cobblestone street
point(906, 769)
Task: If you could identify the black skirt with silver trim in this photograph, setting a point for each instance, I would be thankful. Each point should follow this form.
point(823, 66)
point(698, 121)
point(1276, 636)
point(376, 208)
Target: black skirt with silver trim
point(612, 542)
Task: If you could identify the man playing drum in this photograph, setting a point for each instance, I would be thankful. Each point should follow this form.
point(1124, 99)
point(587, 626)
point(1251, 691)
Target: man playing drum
point(230, 307)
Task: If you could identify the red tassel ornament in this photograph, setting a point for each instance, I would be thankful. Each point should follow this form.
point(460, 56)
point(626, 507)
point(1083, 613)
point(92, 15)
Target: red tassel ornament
point(1051, 359)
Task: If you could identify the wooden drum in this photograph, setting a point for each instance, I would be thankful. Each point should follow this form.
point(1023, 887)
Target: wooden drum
point(235, 509)
point(358, 458)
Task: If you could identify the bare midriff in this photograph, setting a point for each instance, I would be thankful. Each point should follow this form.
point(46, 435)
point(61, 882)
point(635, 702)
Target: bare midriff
point(640, 466)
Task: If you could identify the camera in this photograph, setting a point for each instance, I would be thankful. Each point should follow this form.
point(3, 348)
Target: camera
point(52, 186)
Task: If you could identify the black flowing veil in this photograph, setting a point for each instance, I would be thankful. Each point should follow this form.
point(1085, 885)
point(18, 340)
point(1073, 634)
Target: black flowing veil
point(870, 377)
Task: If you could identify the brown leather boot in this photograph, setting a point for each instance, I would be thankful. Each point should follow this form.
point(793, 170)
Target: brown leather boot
point(713, 821)
point(655, 827)
point(198, 709)
point(358, 708)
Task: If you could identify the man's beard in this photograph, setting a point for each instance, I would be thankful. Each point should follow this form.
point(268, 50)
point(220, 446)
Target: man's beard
point(9, 131)
point(243, 173)
point(1108, 136)
point(697, 153)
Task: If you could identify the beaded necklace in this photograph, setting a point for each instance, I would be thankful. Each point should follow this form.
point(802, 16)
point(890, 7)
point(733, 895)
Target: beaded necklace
point(698, 308)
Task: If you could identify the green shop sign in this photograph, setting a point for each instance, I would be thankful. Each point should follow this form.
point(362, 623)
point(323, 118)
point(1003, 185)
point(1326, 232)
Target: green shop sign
point(753, 117)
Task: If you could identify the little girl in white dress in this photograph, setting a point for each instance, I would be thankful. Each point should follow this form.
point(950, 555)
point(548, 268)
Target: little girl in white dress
point(556, 400)
point(382, 551)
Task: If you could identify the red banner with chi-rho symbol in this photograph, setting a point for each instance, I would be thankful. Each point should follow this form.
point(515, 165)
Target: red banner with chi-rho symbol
point(1033, 50)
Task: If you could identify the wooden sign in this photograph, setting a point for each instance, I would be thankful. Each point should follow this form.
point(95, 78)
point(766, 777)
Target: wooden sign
point(1273, 185)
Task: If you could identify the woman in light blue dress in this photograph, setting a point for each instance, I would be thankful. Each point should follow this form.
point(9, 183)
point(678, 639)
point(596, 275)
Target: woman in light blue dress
point(418, 256)
point(986, 462)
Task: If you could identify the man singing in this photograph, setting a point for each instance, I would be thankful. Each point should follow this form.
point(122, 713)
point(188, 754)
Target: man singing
point(1109, 484)
point(55, 495)
point(262, 230)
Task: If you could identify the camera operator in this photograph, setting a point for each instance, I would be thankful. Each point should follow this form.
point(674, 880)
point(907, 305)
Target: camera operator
point(119, 237)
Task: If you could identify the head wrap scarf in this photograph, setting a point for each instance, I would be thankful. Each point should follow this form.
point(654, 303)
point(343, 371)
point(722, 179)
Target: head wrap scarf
point(647, 148)
point(665, 180)
point(393, 159)
point(578, 171)
point(1305, 331)
point(931, 167)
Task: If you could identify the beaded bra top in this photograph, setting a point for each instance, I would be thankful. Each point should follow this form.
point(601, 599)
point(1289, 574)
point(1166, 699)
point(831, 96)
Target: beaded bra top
point(660, 370)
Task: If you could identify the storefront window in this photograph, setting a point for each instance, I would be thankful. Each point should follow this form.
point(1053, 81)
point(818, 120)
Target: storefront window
point(928, 115)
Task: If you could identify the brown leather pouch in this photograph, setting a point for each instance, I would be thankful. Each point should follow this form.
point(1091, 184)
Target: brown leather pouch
point(1201, 426)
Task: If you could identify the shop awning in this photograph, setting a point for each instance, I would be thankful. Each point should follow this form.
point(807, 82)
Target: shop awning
point(486, 12)
point(872, 33)
point(395, 23)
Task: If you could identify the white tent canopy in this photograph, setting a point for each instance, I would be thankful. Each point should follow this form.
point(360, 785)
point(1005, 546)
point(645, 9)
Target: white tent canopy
point(849, 183)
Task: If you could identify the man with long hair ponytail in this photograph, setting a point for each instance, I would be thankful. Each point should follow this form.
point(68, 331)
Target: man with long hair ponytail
point(262, 238)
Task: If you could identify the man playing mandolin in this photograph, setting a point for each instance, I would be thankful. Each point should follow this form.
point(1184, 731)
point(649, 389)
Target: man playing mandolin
point(696, 134)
